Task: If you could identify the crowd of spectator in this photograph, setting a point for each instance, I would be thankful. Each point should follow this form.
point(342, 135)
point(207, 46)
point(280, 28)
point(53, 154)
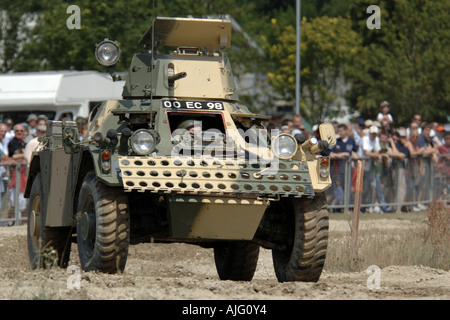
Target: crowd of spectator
point(18, 141)
point(401, 163)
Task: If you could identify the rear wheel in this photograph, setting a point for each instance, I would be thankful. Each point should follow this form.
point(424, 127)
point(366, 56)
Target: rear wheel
point(47, 246)
point(103, 226)
point(236, 260)
point(304, 256)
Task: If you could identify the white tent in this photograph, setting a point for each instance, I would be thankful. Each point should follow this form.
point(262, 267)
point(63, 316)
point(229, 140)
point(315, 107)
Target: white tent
point(57, 91)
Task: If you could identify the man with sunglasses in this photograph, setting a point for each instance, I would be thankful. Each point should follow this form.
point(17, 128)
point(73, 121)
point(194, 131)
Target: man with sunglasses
point(16, 151)
point(17, 143)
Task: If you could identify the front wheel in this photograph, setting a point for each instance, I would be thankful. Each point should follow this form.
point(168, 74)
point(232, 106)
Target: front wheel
point(103, 226)
point(236, 260)
point(304, 256)
point(47, 246)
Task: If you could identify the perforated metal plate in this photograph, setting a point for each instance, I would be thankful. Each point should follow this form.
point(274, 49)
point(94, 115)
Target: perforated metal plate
point(215, 177)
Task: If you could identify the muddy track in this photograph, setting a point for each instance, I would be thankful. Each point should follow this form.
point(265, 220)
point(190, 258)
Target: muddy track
point(179, 271)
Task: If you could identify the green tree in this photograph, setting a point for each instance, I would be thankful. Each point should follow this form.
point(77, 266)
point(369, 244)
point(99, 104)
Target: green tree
point(16, 20)
point(405, 62)
point(328, 46)
point(51, 45)
point(55, 47)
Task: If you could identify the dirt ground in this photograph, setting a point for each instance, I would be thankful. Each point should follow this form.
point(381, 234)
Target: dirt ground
point(179, 271)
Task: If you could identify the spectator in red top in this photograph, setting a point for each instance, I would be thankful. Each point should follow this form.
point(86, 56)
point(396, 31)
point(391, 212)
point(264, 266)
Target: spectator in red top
point(22, 202)
point(444, 167)
point(444, 158)
point(16, 151)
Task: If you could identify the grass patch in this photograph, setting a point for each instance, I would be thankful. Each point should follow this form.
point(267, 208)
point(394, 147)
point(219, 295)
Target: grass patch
point(426, 244)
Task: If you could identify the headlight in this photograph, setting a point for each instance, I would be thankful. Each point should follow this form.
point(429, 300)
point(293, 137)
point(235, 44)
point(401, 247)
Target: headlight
point(142, 142)
point(107, 53)
point(284, 146)
point(324, 173)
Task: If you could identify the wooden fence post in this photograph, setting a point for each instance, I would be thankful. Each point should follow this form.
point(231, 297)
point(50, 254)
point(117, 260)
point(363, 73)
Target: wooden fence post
point(357, 207)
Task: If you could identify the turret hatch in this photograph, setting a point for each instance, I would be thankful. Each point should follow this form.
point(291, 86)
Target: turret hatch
point(185, 32)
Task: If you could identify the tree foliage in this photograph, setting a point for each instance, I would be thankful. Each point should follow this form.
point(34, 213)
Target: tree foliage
point(52, 46)
point(327, 46)
point(405, 62)
point(15, 29)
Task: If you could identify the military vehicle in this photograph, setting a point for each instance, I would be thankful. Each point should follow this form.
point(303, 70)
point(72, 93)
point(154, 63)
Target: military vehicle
point(135, 178)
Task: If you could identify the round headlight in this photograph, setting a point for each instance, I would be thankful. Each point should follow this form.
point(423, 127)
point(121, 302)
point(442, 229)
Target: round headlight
point(142, 142)
point(284, 146)
point(107, 53)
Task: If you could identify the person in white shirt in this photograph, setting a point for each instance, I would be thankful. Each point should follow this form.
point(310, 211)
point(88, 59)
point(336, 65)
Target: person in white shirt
point(384, 116)
point(9, 131)
point(3, 139)
point(370, 147)
point(34, 144)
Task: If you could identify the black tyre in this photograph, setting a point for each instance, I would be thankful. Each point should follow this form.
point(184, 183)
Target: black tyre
point(236, 260)
point(304, 258)
point(103, 226)
point(47, 246)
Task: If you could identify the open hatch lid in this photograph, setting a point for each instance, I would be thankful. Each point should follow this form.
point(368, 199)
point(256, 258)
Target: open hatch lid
point(189, 32)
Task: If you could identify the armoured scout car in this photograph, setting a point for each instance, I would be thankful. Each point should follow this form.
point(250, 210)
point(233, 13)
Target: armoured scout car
point(180, 160)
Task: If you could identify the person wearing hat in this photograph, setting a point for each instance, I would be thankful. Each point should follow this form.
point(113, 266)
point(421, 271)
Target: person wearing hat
point(32, 122)
point(186, 137)
point(190, 125)
point(439, 139)
point(368, 123)
point(384, 115)
point(42, 117)
point(370, 148)
point(34, 144)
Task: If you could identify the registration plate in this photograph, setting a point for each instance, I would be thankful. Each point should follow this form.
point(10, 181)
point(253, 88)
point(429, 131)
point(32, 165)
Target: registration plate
point(192, 105)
